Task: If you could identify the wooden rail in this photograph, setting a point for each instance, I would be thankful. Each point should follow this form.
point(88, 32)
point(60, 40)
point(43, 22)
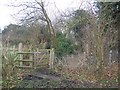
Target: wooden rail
point(32, 59)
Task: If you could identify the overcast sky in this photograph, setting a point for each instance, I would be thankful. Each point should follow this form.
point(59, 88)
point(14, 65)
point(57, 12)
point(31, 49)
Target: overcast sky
point(62, 5)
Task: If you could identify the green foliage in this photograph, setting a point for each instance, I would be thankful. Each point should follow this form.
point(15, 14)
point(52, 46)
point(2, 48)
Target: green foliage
point(64, 45)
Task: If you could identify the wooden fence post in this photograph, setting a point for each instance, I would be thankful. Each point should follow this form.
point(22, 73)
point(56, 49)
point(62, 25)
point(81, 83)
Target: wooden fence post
point(14, 49)
point(36, 58)
point(31, 58)
point(51, 58)
point(20, 50)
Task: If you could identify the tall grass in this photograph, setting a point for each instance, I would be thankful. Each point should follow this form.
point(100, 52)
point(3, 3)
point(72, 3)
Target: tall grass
point(9, 72)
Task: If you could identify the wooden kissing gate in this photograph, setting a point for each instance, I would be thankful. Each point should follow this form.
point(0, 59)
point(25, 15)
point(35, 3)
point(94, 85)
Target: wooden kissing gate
point(34, 59)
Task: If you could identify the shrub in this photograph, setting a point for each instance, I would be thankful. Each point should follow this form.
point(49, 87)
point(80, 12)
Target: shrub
point(64, 46)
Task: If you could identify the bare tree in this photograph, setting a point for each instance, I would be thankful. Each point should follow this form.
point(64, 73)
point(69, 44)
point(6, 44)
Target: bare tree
point(35, 10)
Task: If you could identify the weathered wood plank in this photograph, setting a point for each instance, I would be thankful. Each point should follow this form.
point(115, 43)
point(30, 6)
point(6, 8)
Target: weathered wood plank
point(25, 60)
point(24, 67)
point(31, 52)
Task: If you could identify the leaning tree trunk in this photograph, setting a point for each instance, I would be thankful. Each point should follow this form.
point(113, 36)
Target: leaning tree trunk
point(50, 27)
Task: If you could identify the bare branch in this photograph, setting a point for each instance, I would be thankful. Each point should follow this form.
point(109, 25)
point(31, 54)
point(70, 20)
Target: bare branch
point(35, 11)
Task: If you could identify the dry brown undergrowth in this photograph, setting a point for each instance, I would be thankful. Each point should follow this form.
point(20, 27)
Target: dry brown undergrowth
point(109, 74)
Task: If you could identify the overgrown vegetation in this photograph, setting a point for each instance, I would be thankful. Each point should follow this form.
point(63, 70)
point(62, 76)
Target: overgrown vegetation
point(85, 43)
point(9, 77)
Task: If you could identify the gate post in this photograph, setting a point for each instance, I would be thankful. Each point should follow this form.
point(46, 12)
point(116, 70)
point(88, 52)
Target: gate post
point(51, 58)
point(35, 62)
point(20, 50)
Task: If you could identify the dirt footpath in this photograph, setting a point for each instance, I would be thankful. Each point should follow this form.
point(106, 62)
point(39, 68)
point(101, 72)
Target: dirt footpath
point(44, 78)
